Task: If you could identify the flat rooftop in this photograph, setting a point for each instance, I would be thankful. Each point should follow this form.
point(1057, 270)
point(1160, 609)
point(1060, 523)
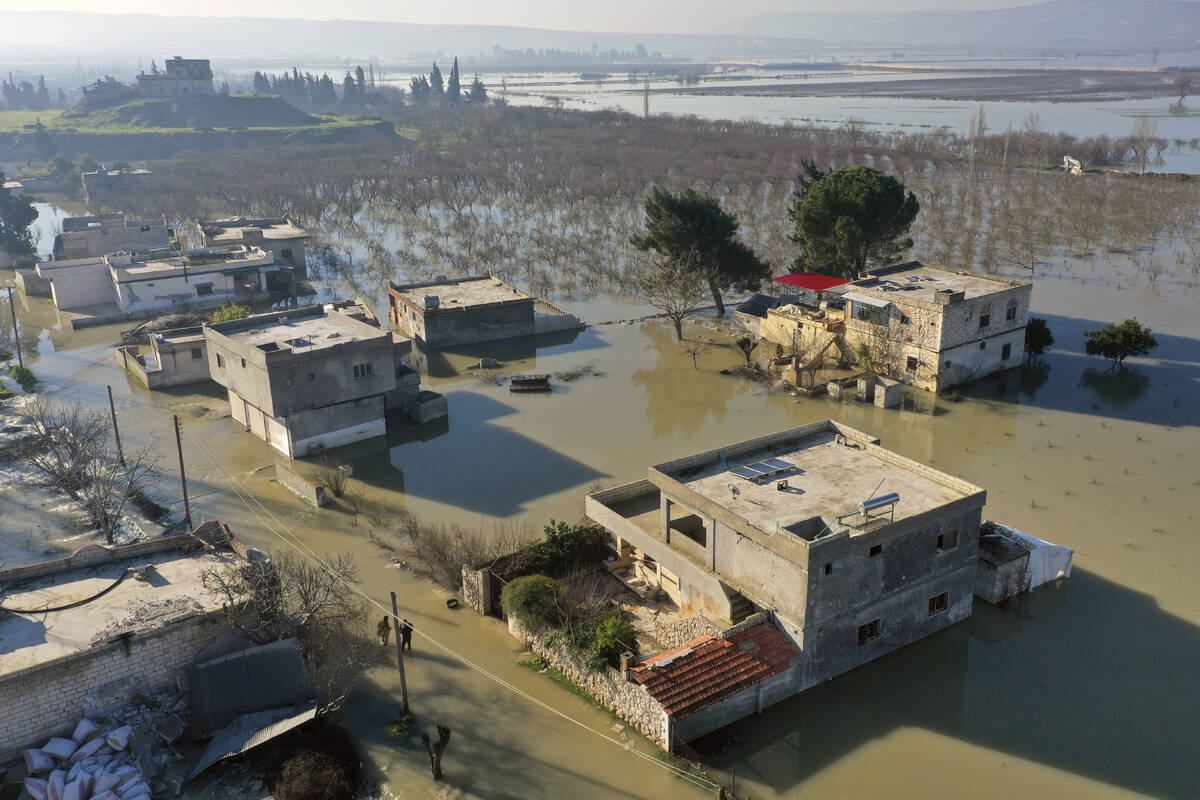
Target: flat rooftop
point(171, 589)
point(461, 292)
point(299, 333)
point(230, 230)
point(825, 479)
point(916, 281)
point(151, 263)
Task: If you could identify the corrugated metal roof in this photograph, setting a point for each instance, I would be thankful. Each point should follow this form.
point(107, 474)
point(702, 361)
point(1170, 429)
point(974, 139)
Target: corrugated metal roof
point(268, 676)
point(251, 730)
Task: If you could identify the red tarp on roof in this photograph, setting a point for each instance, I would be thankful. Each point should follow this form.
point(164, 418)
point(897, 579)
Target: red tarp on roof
point(810, 280)
point(706, 670)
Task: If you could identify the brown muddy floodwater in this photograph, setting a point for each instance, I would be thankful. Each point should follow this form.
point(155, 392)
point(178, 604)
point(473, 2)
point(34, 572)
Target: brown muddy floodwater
point(1083, 690)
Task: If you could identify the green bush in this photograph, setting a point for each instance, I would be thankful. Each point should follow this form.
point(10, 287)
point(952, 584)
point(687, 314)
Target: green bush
point(564, 547)
point(614, 636)
point(228, 313)
point(534, 600)
point(23, 376)
point(402, 726)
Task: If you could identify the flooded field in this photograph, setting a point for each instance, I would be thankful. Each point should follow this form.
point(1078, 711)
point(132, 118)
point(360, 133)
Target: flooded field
point(1076, 691)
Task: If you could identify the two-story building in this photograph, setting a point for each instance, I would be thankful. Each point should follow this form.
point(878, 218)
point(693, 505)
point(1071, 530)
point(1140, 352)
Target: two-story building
point(280, 235)
point(179, 76)
point(161, 280)
point(101, 234)
point(854, 550)
point(312, 378)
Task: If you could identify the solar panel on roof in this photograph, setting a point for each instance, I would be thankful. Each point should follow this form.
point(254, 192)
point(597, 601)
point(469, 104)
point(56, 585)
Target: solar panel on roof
point(778, 463)
point(913, 278)
point(745, 472)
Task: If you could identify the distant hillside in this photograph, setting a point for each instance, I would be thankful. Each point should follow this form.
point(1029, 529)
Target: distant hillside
point(196, 111)
point(1141, 23)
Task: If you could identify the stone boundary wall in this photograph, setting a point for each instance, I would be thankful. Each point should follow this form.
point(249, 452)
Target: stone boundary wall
point(628, 700)
point(301, 486)
point(681, 631)
point(477, 588)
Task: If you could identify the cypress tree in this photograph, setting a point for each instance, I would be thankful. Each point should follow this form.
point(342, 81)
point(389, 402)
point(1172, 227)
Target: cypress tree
point(436, 86)
point(453, 90)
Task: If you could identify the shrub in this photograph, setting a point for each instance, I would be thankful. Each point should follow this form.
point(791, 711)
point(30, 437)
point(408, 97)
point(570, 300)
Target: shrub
point(614, 636)
point(23, 376)
point(315, 776)
point(534, 600)
point(563, 548)
point(402, 726)
point(1038, 337)
point(230, 312)
point(1119, 342)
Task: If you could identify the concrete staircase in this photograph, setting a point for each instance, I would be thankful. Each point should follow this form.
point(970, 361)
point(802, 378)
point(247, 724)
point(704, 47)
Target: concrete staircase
point(819, 347)
point(740, 607)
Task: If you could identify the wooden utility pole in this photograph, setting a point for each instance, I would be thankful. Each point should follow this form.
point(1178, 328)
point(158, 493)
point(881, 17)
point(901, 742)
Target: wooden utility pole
point(399, 652)
point(12, 309)
point(116, 433)
point(187, 508)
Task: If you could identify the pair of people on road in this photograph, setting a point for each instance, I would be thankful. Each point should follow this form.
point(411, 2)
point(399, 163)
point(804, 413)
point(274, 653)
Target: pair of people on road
point(384, 632)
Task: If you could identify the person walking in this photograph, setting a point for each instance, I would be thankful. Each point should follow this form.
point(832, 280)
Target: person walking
point(383, 630)
point(406, 631)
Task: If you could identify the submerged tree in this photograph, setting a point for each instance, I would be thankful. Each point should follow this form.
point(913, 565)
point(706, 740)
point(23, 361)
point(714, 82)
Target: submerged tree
point(691, 229)
point(1038, 338)
point(850, 219)
point(675, 287)
point(1119, 342)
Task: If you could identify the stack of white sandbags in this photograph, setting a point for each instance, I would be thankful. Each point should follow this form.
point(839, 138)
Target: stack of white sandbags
point(93, 764)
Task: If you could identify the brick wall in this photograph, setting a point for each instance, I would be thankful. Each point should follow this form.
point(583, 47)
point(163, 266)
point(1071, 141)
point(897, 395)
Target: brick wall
point(50, 698)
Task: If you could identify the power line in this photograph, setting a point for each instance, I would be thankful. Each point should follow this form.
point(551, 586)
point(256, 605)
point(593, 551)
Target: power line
point(292, 541)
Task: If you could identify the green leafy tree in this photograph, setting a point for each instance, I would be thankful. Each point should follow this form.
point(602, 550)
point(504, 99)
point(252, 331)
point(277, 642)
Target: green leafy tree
point(61, 166)
point(533, 600)
point(437, 86)
point(228, 313)
point(360, 80)
point(478, 94)
point(1038, 338)
point(16, 215)
point(691, 227)
point(614, 636)
point(86, 163)
point(1119, 342)
point(454, 88)
point(850, 219)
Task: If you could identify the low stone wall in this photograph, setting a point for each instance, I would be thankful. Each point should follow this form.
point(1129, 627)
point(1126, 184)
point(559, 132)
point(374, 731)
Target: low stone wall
point(681, 631)
point(628, 700)
point(299, 484)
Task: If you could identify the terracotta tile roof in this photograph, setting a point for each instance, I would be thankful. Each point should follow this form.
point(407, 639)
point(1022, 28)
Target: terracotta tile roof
point(707, 670)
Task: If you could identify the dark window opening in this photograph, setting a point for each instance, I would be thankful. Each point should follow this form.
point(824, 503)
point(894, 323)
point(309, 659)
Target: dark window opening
point(985, 320)
point(947, 365)
point(911, 366)
point(312, 376)
point(197, 353)
point(1005, 352)
point(363, 370)
point(983, 345)
point(947, 541)
point(220, 361)
point(876, 550)
point(285, 252)
point(1011, 313)
point(939, 604)
point(203, 289)
point(243, 363)
point(829, 568)
point(868, 632)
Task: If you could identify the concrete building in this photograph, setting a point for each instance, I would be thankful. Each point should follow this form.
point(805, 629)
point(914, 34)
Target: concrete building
point(101, 234)
point(929, 327)
point(280, 235)
point(179, 76)
point(79, 635)
point(854, 551)
point(102, 185)
point(455, 311)
point(161, 280)
point(313, 378)
point(176, 357)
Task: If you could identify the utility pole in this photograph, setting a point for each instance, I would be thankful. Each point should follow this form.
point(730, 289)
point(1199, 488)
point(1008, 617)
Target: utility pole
point(187, 508)
point(399, 652)
point(116, 433)
point(12, 309)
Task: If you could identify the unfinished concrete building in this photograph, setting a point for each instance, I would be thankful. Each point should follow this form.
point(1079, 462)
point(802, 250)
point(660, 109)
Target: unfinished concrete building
point(853, 550)
point(101, 234)
point(178, 77)
point(315, 378)
point(925, 326)
point(280, 235)
point(80, 635)
point(455, 311)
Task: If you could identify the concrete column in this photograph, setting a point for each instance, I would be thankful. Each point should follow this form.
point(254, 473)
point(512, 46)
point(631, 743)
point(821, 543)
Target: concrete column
point(665, 514)
point(710, 542)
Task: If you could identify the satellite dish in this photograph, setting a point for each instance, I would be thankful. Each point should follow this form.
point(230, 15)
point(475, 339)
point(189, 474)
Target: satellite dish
point(736, 491)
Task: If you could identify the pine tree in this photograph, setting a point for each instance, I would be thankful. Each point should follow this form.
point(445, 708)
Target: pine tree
point(453, 89)
point(43, 94)
point(418, 87)
point(262, 85)
point(153, 67)
point(360, 80)
point(436, 87)
point(478, 93)
point(349, 89)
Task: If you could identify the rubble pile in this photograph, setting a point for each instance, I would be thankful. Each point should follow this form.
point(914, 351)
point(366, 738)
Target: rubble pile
point(124, 756)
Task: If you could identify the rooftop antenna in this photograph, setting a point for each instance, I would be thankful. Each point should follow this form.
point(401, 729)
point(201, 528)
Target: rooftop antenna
point(881, 480)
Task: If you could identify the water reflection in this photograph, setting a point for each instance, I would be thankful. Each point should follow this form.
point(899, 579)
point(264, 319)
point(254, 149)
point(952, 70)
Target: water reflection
point(1118, 387)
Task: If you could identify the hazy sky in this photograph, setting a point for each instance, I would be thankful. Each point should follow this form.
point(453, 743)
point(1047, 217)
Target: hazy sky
point(663, 16)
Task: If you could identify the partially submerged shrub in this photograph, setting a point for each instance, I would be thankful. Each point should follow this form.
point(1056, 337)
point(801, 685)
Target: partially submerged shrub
point(23, 376)
point(536, 601)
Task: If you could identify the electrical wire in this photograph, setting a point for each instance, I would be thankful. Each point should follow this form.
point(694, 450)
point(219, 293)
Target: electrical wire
point(307, 552)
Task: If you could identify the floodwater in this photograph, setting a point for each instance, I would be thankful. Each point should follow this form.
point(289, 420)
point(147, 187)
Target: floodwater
point(1080, 690)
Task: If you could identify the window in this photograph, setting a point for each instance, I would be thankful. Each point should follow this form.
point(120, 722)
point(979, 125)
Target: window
point(829, 568)
point(220, 362)
point(876, 550)
point(363, 370)
point(947, 365)
point(1010, 313)
point(1005, 352)
point(289, 381)
point(985, 320)
point(911, 366)
point(285, 252)
point(937, 605)
point(312, 376)
point(197, 353)
point(875, 315)
point(868, 632)
point(203, 289)
point(983, 345)
point(145, 229)
point(947, 541)
point(243, 363)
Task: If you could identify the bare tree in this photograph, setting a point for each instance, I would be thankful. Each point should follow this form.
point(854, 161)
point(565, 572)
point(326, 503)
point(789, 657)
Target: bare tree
point(747, 345)
point(436, 750)
point(65, 441)
point(695, 350)
point(314, 602)
point(1142, 142)
point(328, 472)
point(677, 288)
point(109, 485)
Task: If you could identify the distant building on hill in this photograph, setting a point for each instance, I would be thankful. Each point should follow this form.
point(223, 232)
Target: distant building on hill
point(179, 76)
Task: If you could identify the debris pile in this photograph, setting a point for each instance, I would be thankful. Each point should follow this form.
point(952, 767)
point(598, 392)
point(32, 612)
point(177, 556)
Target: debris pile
point(129, 758)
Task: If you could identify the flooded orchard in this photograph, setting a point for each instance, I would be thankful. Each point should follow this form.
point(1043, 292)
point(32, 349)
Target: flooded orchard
point(1077, 690)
